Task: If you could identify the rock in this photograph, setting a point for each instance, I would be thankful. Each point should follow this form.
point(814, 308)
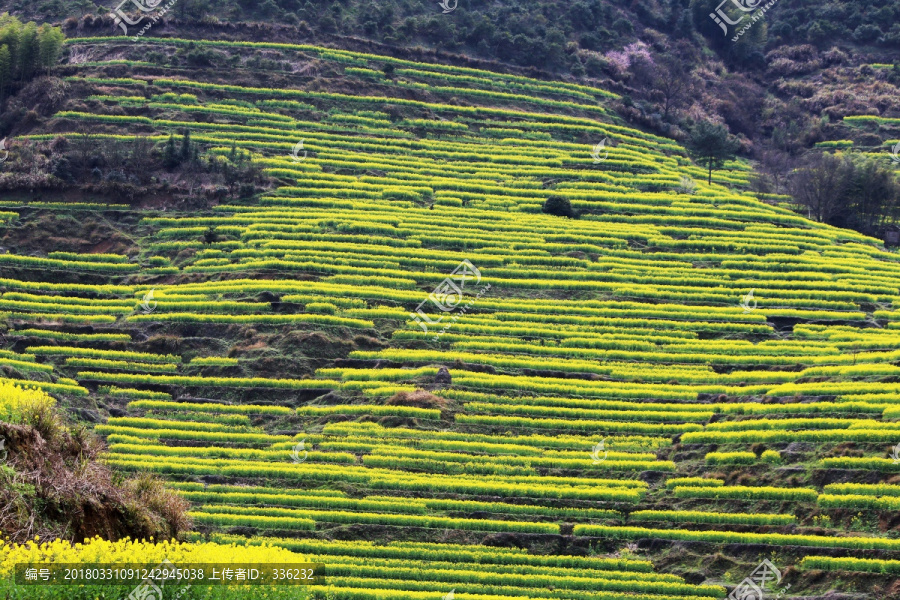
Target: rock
point(267, 297)
point(796, 447)
point(86, 414)
point(331, 398)
point(443, 377)
point(823, 477)
point(693, 577)
point(786, 471)
point(653, 476)
point(477, 368)
point(116, 412)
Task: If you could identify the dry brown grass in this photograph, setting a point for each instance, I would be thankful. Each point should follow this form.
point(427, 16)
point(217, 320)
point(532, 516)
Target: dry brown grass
point(418, 398)
point(53, 485)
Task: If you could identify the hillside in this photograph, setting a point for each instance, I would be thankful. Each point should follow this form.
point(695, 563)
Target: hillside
point(330, 305)
point(782, 78)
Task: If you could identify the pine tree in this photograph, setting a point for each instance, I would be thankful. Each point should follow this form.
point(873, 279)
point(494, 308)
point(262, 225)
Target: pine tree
point(186, 153)
point(712, 146)
point(170, 154)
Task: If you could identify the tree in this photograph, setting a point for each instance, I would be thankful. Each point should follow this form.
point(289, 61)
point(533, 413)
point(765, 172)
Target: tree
point(197, 9)
point(821, 184)
point(85, 6)
point(170, 154)
point(186, 150)
point(140, 157)
point(10, 37)
point(674, 84)
point(873, 194)
point(712, 146)
point(50, 44)
point(84, 150)
point(6, 72)
point(775, 167)
point(847, 191)
point(29, 55)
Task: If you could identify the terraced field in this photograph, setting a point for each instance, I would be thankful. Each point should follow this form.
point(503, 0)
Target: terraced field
point(396, 364)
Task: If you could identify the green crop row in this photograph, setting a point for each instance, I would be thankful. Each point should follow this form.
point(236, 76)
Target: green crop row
point(15, 301)
point(692, 516)
point(578, 425)
point(769, 424)
point(121, 365)
point(345, 560)
point(248, 409)
point(405, 520)
point(25, 365)
point(862, 565)
point(685, 482)
point(227, 452)
point(478, 577)
point(583, 413)
point(872, 463)
point(369, 409)
point(477, 442)
point(859, 501)
point(261, 319)
point(740, 492)
point(73, 337)
point(34, 262)
point(191, 434)
point(733, 537)
point(455, 553)
point(394, 505)
point(524, 487)
point(185, 380)
point(133, 393)
point(100, 354)
point(877, 489)
point(145, 423)
point(263, 522)
point(743, 437)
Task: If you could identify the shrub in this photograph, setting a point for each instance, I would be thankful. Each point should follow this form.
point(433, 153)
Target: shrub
point(559, 206)
point(771, 457)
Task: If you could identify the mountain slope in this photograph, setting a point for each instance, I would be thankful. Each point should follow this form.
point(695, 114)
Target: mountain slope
point(690, 367)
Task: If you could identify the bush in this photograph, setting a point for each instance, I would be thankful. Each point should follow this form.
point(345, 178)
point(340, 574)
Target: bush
point(866, 33)
point(771, 457)
point(559, 206)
